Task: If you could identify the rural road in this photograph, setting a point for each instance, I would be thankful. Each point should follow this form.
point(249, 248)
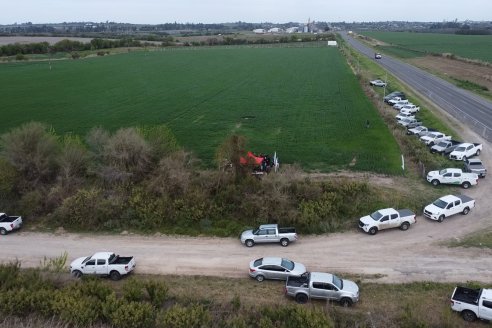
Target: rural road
point(394, 256)
point(471, 109)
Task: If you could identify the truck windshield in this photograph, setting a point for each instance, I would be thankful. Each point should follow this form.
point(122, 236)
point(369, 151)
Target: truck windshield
point(442, 172)
point(376, 216)
point(86, 259)
point(460, 149)
point(440, 203)
point(289, 265)
point(256, 231)
point(338, 282)
point(442, 144)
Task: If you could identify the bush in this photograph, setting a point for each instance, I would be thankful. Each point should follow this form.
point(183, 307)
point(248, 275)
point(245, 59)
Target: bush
point(133, 290)
point(194, 316)
point(133, 315)
point(157, 291)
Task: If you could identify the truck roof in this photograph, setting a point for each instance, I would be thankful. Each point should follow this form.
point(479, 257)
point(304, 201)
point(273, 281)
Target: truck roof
point(453, 170)
point(321, 277)
point(269, 226)
point(387, 211)
point(449, 198)
point(102, 255)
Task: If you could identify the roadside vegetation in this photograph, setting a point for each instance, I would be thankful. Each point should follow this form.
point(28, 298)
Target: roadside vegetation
point(33, 297)
point(416, 153)
point(139, 179)
point(481, 239)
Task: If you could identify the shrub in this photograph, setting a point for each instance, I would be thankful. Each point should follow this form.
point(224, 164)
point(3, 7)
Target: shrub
point(157, 291)
point(32, 150)
point(194, 316)
point(133, 290)
point(73, 307)
point(133, 315)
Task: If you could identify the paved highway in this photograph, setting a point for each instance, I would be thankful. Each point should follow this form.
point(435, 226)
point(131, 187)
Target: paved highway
point(467, 107)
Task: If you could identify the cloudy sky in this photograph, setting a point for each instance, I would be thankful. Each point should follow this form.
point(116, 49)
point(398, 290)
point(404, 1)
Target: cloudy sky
point(220, 11)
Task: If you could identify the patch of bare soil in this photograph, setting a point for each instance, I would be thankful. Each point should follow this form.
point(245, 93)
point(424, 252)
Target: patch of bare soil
point(35, 39)
point(457, 69)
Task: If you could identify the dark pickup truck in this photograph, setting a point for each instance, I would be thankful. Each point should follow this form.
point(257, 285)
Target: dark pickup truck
point(475, 165)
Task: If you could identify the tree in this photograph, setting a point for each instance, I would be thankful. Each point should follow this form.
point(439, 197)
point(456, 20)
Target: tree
point(32, 150)
point(230, 153)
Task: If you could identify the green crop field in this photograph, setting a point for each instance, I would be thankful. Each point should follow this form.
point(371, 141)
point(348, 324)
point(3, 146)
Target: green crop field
point(304, 103)
point(467, 46)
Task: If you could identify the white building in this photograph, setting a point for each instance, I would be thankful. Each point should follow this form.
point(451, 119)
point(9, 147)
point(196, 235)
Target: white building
point(259, 31)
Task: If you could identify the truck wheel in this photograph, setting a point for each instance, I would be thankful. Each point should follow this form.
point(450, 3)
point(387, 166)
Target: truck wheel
point(77, 274)
point(468, 316)
point(260, 278)
point(373, 231)
point(466, 185)
point(301, 298)
point(441, 218)
point(466, 210)
point(478, 152)
point(115, 275)
point(249, 243)
point(435, 182)
point(404, 226)
point(346, 302)
point(3, 231)
point(284, 242)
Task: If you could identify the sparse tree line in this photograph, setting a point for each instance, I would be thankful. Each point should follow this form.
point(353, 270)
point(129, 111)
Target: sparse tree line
point(139, 179)
point(68, 46)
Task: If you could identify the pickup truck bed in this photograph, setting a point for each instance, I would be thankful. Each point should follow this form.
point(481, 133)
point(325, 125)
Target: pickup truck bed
point(121, 260)
point(464, 198)
point(405, 212)
point(287, 230)
point(467, 295)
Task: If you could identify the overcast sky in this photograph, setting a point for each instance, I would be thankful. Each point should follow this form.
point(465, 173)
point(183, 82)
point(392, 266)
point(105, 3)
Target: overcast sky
point(221, 11)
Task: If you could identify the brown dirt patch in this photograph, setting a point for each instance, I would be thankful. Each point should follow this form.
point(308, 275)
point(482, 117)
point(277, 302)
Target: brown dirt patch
point(478, 74)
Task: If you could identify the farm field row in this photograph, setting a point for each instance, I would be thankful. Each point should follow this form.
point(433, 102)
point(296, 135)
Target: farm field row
point(406, 44)
point(304, 103)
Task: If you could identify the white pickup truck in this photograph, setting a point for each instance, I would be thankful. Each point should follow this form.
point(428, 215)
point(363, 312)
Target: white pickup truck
point(472, 303)
point(401, 116)
point(9, 223)
point(447, 206)
point(396, 100)
point(269, 233)
point(452, 176)
point(103, 264)
point(434, 137)
point(387, 218)
point(466, 150)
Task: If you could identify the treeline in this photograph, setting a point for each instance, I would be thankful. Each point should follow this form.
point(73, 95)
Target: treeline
point(67, 46)
point(139, 179)
point(230, 40)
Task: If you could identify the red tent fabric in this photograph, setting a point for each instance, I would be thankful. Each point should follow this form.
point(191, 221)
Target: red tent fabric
point(251, 158)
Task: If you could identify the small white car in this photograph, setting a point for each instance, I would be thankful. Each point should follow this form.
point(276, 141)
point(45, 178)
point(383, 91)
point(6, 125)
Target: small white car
point(465, 150)
point(103, 264)
point(449, 205)
point(377, 83)
point(404, 115)
point(432, 138)
point(410, 108)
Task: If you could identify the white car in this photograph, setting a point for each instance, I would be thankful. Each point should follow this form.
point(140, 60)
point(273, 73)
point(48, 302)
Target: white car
point(9, 223)
point(434, 137)
point(402, 103)
point(387, 218)
point(416, 130)
point(395, 100)
point(377, 83)
point(465, 150)
point(404, 115)
point(411, 108)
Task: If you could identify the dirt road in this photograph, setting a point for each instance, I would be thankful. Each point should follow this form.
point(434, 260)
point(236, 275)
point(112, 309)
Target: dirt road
point(398, 256)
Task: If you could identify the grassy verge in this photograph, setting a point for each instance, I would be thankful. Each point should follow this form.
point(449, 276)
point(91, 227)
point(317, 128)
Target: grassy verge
point(197, 301)
point(482, 239)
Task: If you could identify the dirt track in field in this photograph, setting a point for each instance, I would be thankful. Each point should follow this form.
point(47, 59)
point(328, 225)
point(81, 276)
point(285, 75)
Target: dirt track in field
point(394, 255)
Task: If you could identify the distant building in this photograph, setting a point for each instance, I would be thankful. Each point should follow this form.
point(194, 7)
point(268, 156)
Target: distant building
point(259, 31)
point(275, 30)
point(332, 44)
point(293, 29)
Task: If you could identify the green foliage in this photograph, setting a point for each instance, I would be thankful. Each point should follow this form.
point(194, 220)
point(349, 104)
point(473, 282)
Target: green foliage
point(133, 290)
point(205, 95)
point(469, 85)
point(56, 264)
point(31, 149)
point(72, 306)
point(295, 316)
point(133, 315)
point(157, 291)
point(160, 138)
point(193, 316)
